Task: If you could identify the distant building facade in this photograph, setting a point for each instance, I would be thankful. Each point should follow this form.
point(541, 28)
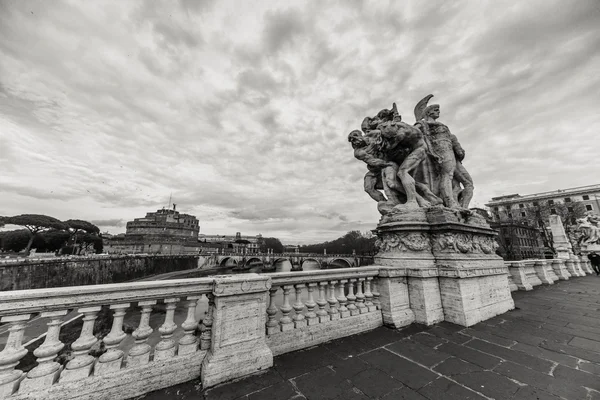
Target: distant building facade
point(238, 243)
point(533, 211)
point(516, 241)
point(165, 231)
point(514, 205)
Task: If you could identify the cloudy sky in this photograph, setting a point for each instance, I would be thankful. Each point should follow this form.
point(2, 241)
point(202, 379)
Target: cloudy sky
point(241, 109)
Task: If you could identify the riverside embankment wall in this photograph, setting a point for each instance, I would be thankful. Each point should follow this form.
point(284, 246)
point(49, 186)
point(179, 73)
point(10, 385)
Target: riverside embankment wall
point(93, 270)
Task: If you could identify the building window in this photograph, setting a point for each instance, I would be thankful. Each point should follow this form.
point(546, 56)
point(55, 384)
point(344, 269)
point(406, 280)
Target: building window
point(553, 211)
point(573, 221)
point(526, 223)
point(567, 199)
point(523, 214)
point(570, 209)
point(550, 202)
point(589, 207)
point(586, 197)
point(535, 203)
point(521, 206)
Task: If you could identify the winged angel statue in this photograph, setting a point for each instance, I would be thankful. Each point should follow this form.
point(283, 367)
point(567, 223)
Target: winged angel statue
point(416, 165)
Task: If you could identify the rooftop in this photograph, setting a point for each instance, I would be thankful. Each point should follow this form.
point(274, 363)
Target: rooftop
point(547, 348)
point(511, 198)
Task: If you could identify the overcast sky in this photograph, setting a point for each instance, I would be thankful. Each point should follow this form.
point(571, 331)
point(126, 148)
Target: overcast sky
point(241, 109)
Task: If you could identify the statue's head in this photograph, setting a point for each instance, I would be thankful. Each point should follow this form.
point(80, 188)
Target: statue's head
point(432, 111)
point(356, 138)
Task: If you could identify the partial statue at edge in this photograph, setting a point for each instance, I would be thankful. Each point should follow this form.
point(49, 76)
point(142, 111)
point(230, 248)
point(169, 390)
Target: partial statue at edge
point(589, 227)
point(415, 166)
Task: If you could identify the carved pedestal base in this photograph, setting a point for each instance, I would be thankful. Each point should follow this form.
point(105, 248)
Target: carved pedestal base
point(240, 313)
point(394, 298)
point(450, 261)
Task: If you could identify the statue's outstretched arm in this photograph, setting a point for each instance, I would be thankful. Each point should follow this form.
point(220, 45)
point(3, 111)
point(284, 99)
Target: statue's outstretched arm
point(371, 160)
point(458, 150)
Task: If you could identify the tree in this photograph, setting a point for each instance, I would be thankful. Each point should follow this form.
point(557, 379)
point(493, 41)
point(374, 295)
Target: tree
point(16, 240)
point(351, 241)
point(35, 223)
point(91, 240)
point(271, 243)
point(55, 239)
point(77, 227)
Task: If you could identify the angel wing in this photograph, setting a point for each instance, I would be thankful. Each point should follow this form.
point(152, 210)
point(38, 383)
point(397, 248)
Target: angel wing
point(420, 107)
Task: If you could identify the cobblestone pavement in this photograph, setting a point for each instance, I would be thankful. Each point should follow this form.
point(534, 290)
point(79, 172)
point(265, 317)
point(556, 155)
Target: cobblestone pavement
point(548, 348)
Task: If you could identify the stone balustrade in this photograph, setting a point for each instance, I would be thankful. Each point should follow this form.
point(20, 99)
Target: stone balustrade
point(249, 318)
point(117, 372)
point(526, 274)
point(307, 308)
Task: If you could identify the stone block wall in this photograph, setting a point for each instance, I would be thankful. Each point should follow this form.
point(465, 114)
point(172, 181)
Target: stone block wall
point(95, 270)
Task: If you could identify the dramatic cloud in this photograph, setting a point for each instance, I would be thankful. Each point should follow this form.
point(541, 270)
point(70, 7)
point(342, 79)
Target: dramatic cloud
point(240, 110)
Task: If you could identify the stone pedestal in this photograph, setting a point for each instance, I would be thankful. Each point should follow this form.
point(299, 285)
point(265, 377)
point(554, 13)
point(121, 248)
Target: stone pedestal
point(519, 275)
point(539, 267)
point(560, 269)
point(240, 315)
point(392, 285)
point(453, 271)
point(578, 267)
point(573, 270)
point(562, 245)
point(425, 296)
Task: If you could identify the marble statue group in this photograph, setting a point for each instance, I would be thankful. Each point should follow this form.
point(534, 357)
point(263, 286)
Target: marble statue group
point(589, 227)
point(416, 165)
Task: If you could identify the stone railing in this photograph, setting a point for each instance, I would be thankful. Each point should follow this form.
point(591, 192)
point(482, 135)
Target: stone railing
point(248, 319)
point(117, 373)
point(524, 275)
point(337, 304)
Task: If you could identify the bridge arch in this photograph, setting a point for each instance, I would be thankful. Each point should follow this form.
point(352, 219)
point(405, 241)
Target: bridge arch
point(320, 263)
point(281, 259)
point(223, 261)
point(249, 260)
point(348, 263)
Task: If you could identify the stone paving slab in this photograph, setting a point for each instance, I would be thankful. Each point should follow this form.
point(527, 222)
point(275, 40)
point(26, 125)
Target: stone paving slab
point(548, 348)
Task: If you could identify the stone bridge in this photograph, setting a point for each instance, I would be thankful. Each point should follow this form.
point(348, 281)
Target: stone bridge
point(269, 260)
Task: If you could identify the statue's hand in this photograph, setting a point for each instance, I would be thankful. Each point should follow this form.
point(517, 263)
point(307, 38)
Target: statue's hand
point(460, 155)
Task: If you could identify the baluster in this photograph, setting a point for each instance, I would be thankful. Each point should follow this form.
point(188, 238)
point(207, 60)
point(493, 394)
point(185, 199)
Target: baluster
point(375, 292)
point(341, 298)
point(112, 360)
point(189, 342)
point(369, 295)
point(360, 297)
point(311, 316)
point(352, 298)
point(322, 302)
point(207, 322)
point(299, 320)
point(286, 321)
point(81, 364)
point(272, 323)
point(46, 373)
point(333, 312)
point(166, 347)
point(140, 352)
point(12, 353)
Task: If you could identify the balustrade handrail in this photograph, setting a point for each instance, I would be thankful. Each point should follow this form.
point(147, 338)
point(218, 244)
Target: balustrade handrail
point(292, 255)
point(40, 300)
point(289, 278)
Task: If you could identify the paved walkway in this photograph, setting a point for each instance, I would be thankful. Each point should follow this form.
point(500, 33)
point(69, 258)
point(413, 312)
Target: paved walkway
point(548, 348)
